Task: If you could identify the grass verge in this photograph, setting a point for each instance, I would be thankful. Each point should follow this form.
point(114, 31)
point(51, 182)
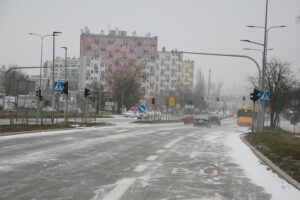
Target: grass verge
point(30, 127)
point(281, 147)
point(37, 127)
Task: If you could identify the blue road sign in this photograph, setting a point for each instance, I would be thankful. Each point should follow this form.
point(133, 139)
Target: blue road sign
point(142, 108)
point(58, 86)
point(264, 95)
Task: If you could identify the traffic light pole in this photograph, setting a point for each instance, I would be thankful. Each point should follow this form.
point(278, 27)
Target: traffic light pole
point(85, 110)
point(253, 117)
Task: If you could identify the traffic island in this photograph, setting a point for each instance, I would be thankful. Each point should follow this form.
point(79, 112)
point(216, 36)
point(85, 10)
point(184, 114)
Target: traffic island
point(280, 150)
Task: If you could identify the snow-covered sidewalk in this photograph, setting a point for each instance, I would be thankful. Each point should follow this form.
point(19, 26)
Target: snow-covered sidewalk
point(286, 125)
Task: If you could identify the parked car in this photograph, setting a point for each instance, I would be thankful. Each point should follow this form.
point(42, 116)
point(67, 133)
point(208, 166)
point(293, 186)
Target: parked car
point(130, 114)
point(49, 109)
point(215, 120)
point(202, 122)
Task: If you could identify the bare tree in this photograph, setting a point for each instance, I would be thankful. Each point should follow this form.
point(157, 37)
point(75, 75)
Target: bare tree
point(125, 83)
point(10, 81)
point(199, 91)
point(279, 81)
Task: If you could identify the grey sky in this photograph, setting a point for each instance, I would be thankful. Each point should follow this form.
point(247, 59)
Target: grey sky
point(188, 25)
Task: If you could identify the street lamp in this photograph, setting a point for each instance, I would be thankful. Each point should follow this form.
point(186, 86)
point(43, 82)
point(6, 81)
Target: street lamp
point(250, 49)
point(66, 94)
point(266, 32)
point(55, 33)
point(42, 39)
point(252, 42)
point(40, 86)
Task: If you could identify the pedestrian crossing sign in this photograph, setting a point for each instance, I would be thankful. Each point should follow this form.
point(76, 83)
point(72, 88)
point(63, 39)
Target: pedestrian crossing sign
point(58, 86)
point(264, 95)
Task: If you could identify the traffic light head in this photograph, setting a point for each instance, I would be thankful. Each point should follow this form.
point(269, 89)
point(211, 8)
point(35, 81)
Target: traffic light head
point(87, 92)
point(38, 93)
point(153, 101)
point(254, 95)
point(217, 99)
point(66, 88)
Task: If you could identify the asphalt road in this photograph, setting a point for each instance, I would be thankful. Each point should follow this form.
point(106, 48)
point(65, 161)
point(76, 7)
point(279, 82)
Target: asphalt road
point(127, 161)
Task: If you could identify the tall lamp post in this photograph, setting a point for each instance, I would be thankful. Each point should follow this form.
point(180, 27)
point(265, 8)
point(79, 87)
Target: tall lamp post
point(66, 85)
point(55, 33)
point(42, 41)
point(40, 85)
point(266, 32)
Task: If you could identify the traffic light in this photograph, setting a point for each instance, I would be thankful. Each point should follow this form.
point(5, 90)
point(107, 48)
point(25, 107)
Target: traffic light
point(217, 99)
point(38, 93)
point(66, 88)
point(254, 95)
point(87, 92)
point(153, 101)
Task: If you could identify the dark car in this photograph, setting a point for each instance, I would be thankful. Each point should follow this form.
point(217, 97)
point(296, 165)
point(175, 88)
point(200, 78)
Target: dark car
point(215, 120)
point(202, 122)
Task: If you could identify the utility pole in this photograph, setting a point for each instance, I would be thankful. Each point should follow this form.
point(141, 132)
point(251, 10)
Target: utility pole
point(53, 72)
point(66, 85)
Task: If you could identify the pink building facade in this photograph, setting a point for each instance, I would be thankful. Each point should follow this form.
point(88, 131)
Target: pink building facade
point(100, 52)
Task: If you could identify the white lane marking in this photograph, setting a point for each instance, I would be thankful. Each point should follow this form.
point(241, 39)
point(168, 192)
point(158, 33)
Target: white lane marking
point(164, 133)
point(193, 154)
point(120, 189)
point(160, 151)
point(191, 134)
point(140, 168)
point(151, 158)
point(172, 143)
point(120, 131)
point(180, 171)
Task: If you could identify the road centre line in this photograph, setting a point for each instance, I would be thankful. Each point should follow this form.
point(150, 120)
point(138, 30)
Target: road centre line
point(160, 151)
point(172, 143)
point(153, 157)
point(119, 189)
point(140, 168)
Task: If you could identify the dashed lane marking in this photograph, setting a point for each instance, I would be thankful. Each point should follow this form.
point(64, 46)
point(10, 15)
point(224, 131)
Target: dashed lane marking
point(120, 131)
point(191, 134)
point(160, 151)
point(140, 168)
point(151, 158)
point(193, 154)
point(120, 189)
point(164, 133)
point(172, 143)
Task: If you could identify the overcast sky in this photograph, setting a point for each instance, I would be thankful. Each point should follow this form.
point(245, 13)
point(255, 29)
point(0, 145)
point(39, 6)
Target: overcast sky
point(215, 26)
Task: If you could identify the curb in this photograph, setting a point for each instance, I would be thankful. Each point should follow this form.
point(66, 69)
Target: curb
point(269, 163)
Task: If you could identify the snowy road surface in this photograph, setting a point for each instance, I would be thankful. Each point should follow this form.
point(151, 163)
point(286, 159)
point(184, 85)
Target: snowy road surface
point(137, 162)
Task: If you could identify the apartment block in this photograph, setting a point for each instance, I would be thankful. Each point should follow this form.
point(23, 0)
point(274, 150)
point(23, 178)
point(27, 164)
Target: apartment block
point(102, 52)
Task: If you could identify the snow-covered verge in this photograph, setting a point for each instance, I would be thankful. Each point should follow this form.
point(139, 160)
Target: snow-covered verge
point(257, 171)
